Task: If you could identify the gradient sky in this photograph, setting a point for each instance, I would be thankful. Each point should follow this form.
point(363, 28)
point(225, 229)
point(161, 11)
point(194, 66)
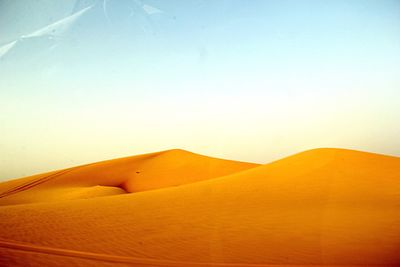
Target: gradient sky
point(83, 81)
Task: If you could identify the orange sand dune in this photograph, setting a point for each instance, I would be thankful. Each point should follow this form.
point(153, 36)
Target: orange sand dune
point(132, 174)
point(320, 207)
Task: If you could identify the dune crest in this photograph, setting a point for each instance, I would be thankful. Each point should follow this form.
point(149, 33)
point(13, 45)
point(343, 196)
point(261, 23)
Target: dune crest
point(131, 174)
point(322, 207)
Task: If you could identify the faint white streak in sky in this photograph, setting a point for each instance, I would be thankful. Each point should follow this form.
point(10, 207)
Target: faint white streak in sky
point(150, 9)
point(5, 48)
point(105, 10)
point(59, 27)
point(54, 29)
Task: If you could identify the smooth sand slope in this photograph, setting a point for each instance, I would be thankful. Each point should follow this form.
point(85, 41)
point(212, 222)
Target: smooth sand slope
point(125, 175)
point(320, 207)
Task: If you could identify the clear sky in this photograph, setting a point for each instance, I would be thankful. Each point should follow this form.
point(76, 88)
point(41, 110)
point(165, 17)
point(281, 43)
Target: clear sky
point(86, 80)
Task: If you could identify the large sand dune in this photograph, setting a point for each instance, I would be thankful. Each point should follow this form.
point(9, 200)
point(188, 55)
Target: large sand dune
point(126, 175)
point(320, 207)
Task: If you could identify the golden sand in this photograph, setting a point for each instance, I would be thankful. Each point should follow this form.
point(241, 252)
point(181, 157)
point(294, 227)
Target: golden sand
point(175, 208)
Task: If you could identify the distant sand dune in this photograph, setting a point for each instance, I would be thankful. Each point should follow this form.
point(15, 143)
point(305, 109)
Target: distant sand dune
point(132, 174)
point(325, 207)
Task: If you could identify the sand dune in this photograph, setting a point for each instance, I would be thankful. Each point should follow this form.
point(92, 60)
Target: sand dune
point(126, 175)
point(320, 207)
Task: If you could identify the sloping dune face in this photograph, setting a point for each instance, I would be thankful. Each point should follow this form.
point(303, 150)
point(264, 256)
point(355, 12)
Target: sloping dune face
point(320, 207)
point(126, 175)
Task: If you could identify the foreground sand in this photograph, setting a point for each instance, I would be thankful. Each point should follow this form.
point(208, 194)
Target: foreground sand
point(321, 207)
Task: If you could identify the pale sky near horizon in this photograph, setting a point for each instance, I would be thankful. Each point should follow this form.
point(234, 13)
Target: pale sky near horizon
point(86, 80)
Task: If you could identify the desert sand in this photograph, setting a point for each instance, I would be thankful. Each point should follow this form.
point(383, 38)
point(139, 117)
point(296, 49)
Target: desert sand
point(322, 207)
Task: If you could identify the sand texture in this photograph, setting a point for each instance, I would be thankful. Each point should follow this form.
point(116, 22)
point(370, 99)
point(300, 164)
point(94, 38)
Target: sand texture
point(322, 207)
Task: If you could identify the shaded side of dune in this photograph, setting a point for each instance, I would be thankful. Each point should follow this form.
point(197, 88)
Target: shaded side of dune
point(126, 175)
point(324, 206)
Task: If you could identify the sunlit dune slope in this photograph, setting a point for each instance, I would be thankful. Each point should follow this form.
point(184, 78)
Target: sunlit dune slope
point(324, 206)
point(131, 174)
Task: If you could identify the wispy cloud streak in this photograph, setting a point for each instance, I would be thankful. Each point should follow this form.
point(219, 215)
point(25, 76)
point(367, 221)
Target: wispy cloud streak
point(52, 30)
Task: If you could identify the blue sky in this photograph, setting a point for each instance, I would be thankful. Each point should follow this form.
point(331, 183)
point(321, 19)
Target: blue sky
point(82, 81)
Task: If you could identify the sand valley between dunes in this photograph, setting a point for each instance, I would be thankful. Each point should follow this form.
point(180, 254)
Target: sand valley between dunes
point(322, 207)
